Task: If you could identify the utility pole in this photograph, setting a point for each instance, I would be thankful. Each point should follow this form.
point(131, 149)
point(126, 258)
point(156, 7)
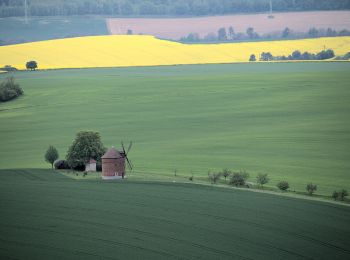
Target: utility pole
point(25, 12)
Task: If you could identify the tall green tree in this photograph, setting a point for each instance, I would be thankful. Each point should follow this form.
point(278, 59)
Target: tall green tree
point(87, 145)
point(51, 155)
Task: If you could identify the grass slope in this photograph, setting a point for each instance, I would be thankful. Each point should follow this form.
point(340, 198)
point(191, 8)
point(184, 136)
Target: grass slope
point(289, 120)
point(45, 215)
point(140, 50)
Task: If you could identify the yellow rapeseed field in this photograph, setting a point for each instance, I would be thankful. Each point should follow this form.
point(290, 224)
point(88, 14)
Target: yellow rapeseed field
point(141, 50)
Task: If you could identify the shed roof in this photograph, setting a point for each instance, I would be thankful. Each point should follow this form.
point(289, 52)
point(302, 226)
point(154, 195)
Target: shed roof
point(111, 154)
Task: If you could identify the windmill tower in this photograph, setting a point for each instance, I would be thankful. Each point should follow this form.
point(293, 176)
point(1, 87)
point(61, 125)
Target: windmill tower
point(113, 163)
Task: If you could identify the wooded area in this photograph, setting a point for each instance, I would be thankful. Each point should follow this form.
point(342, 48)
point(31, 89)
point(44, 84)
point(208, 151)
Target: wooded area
point(162, 7)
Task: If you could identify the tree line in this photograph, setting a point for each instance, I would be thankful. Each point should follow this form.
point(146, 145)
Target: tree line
point(10, 8)
point(296, 55)
point(229, 34)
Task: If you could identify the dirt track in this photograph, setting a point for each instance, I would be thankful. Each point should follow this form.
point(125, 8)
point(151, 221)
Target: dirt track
point(175, 28)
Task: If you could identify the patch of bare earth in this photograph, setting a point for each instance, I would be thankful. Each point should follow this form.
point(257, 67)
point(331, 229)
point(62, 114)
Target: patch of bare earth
point(175, 28)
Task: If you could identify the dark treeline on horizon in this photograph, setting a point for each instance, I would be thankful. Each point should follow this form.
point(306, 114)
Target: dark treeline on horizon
point(10, 8)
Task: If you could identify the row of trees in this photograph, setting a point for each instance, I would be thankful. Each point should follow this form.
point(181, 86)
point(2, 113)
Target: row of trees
point(162, 7)
point(230, 34)
point(239, 179)
point(296, 55)
point(9, 89)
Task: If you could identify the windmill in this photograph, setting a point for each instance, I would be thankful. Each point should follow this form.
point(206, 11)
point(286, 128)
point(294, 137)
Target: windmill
point(113, 163)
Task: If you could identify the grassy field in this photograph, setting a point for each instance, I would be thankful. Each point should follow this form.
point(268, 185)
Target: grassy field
point(289, 120)
point(15, 30)
point(142, 50)
point(48, 216)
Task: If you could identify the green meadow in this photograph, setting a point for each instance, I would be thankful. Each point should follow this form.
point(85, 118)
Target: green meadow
point(290, 120)
point(45, 215)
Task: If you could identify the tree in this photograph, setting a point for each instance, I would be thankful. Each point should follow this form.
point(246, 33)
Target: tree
point(252, 57)
point(239, 178)
point(31, 65)
point(262, 179)
point(342, 194)
point(313, 32)
point(87, 145)
point(286, 33)
point(222, 35)
point(226, 173)
point(231, 32)
point(51, 155)
point(129, 32)
point(214, 177)
point(296, 55)
point(311, 188)
point(251, 33)
point(283, 185)
point(266, 56)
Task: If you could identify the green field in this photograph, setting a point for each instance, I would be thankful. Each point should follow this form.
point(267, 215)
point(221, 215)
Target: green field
point(45, 215)
point(15, 30)
point(290, 120)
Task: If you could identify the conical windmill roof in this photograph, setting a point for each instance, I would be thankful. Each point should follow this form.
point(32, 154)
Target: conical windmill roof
point(111, 154)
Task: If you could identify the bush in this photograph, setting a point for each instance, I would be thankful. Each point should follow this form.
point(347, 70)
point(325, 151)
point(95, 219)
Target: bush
point(61, 165)
point(239, 178)
point(343, 193)
point(214, 177)
point(9, 89)
point(311, 188)
point(283, 185)
point(98, 166)
point(335, 195)
point(262, 179)
point(340, 194)
point(8, 68)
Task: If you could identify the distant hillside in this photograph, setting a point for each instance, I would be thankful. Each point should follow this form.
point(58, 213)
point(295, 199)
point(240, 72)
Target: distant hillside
point(138, 50)
point(10, 8)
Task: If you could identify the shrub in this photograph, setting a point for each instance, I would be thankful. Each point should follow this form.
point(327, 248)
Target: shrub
point(340, 194)
point(239, 178)
point(8, 68)
point(283, 185)
point(343, 193)
point(335, 195)
point(61, 165)
point(214, 177)
point(98, 166)
point(262, 179)
point(191, 178)
point(9, 89)
point(311, 188)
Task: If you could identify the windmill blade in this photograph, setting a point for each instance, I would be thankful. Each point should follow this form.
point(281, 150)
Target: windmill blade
point(129, 163)
point(123, 147)
point(129, 147)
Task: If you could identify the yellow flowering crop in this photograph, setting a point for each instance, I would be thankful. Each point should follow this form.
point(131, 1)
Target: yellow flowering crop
point(141, 50)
